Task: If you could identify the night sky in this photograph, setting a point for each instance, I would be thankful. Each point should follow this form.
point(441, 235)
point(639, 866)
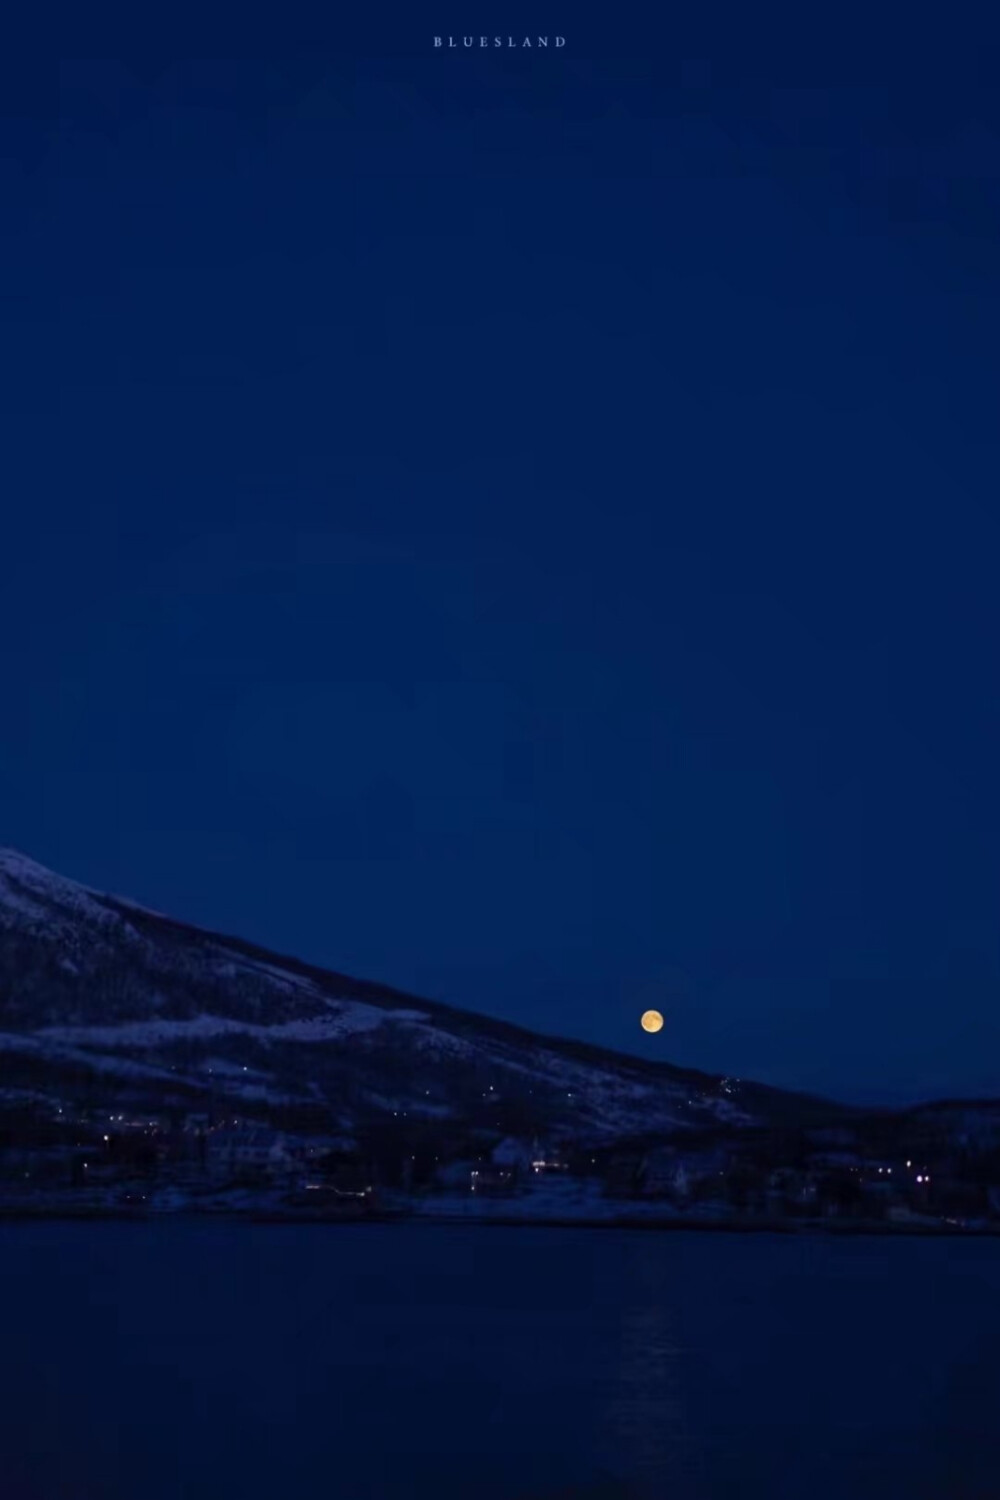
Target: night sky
point(525, 528)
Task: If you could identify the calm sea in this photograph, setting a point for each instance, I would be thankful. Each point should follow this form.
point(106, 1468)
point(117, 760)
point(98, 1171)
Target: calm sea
point(179, 1361)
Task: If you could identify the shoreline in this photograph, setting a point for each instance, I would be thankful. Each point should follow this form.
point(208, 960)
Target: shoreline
point(646, 1223)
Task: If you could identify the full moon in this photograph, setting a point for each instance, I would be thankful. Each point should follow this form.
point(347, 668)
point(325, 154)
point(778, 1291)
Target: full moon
point(651, 1020)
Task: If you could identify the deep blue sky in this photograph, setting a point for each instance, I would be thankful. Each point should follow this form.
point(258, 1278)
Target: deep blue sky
point(526, 529)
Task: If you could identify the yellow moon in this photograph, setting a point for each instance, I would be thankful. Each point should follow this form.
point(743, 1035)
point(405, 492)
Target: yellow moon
point(651, 1020)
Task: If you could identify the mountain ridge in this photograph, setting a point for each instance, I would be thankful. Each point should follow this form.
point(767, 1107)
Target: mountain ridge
point(99, 993)
point(94, 981)
point(108, 1008)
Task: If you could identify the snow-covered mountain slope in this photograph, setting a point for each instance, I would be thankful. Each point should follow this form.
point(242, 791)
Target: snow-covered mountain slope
point(98, 994)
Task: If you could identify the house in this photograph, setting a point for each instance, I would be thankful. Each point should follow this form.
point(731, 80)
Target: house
point(791, 1190)
point(665, 1176)
point(669, 1173)
point(252, 1151)
point(454, 1176)
point(513, 1153)
point(316, 1150)
point(546, 1159)
point(333, 1167)
point(492, 1181)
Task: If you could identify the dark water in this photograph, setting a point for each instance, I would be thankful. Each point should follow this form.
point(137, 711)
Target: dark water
point(219, 1362)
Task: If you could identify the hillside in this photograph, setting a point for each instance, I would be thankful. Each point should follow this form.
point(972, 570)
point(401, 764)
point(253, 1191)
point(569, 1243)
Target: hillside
point(102, 1000)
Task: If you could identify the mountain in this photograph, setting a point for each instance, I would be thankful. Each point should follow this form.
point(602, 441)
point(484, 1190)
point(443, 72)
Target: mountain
point(102, 1000)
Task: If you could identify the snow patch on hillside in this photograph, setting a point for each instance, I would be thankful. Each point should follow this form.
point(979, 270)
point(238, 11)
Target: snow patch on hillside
point(343, 1019)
